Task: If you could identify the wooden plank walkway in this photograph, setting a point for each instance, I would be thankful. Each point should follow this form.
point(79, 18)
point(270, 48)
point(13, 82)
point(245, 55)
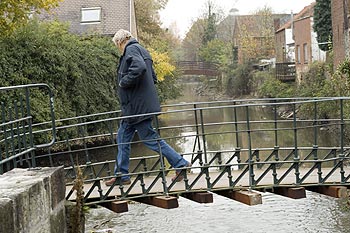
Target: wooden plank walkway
point(135, 188)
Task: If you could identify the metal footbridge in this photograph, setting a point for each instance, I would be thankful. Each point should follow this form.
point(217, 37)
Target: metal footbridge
point(263, 154)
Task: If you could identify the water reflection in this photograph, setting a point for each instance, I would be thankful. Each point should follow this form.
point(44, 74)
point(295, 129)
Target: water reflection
point(222, 132)
point(226, 128)
point(316, 213)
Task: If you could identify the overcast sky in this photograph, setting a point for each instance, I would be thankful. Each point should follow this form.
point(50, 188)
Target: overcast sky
point(184, 12)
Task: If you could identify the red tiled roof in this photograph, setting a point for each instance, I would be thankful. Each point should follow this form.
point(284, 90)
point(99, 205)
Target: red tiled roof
point(308, 11)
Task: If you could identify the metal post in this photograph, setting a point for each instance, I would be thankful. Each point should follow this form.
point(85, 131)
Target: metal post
point(342, 172)
point(315, 146)
point(341, 127)
point(31, 140)
point(4, 128)
point(296, 155)
point(165, 188)
point(276, 126)
point(13, 148)
point(203, 138)
point(197, 131)
point(276, 147)
point(23, 125)
point(250, 161)
point(236, 124)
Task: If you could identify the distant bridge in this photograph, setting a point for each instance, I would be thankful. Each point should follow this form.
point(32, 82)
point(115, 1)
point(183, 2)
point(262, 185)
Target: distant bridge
point(284, 163)
point(199, 68)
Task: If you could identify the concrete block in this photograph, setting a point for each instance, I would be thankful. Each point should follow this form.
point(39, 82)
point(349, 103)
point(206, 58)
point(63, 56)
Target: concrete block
point(71, 218)
point(30, 194)
point(6, 215)
point(58, 187)
point(21, 204)
point(58, 220)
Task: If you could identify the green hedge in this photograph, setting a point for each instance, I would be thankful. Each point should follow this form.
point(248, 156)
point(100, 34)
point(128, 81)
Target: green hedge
point(80, 69)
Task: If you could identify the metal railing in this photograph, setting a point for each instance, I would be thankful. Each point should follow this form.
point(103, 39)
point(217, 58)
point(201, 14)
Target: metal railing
point(286, 72)
point(276, 158)
point(199, 68)
point(17, 141)
point(243, 143)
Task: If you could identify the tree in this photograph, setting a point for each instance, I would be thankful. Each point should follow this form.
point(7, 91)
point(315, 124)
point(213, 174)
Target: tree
point(256, 35)
point(193, 40)
point(214, 51)
point(80, 70)
point(323, 23)
point(162, 65)
point(160, 42)
point(14, 13)
point(202, 32)
point(147, 19)
point(210, 29)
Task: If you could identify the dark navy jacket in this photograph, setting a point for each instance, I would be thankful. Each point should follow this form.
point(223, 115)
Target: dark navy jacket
point(136, 83)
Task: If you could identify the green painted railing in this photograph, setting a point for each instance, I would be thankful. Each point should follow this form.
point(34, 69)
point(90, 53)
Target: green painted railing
point(17, 141)
point(90, 142)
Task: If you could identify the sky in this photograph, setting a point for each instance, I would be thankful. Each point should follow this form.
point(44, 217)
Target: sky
point(183, 12)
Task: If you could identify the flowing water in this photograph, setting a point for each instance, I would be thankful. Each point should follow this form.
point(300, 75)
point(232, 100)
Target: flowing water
point(316, 213)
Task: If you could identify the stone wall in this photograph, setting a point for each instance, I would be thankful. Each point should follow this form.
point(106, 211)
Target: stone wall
point(32, 201)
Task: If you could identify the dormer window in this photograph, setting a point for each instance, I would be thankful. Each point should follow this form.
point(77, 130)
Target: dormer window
point(90, 15)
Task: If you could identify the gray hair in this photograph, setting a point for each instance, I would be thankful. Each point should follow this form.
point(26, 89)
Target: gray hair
point(121, 36)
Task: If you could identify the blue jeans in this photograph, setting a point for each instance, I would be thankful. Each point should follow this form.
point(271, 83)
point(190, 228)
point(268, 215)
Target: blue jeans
point(149, 136)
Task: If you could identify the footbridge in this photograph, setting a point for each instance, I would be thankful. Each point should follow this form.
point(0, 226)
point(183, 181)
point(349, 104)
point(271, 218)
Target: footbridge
point(238, 156)
point(199, 68)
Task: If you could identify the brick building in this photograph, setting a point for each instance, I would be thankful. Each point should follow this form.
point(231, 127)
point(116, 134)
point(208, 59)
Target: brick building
point(285, 44)
point(306, 45)
point(340, 25)
point(253, 36)
point(95, 16)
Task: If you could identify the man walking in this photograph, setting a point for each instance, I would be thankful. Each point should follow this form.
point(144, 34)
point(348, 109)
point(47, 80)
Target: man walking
point(137, 94)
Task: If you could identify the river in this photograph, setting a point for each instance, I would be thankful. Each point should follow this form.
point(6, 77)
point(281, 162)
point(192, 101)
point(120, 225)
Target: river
point(316, 213)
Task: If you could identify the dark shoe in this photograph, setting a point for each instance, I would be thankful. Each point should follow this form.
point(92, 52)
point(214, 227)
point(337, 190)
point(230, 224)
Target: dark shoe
point(112, 181)
point(179, 177)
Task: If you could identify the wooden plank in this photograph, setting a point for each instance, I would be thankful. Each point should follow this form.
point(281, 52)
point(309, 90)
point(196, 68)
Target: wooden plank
point(165, 202)
point(332, 191)
point(246, 197)
point(116, 206)
point(200, 197)
point(291, 192)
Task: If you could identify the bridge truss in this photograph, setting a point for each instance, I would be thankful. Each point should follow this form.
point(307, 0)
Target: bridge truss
point(263, 153)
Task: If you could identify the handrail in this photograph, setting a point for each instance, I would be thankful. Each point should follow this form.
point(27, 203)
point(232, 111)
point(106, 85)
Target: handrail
point(16, 134)
point(94, 150)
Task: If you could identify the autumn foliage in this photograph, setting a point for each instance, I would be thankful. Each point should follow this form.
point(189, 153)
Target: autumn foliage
point(14, 13)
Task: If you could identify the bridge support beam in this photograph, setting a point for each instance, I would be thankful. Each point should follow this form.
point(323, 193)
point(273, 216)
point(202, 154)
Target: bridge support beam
point(200, 197)
point(332, 191)
point(165, 202)
point(117, 206)
point(246, 197)
point(294, 192)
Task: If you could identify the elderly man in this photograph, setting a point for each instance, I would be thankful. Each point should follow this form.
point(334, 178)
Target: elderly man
point(137, 93)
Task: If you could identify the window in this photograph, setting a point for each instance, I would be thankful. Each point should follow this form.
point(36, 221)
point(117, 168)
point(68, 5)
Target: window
point(91, 15)
point(298, 54)
point(306, 55)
